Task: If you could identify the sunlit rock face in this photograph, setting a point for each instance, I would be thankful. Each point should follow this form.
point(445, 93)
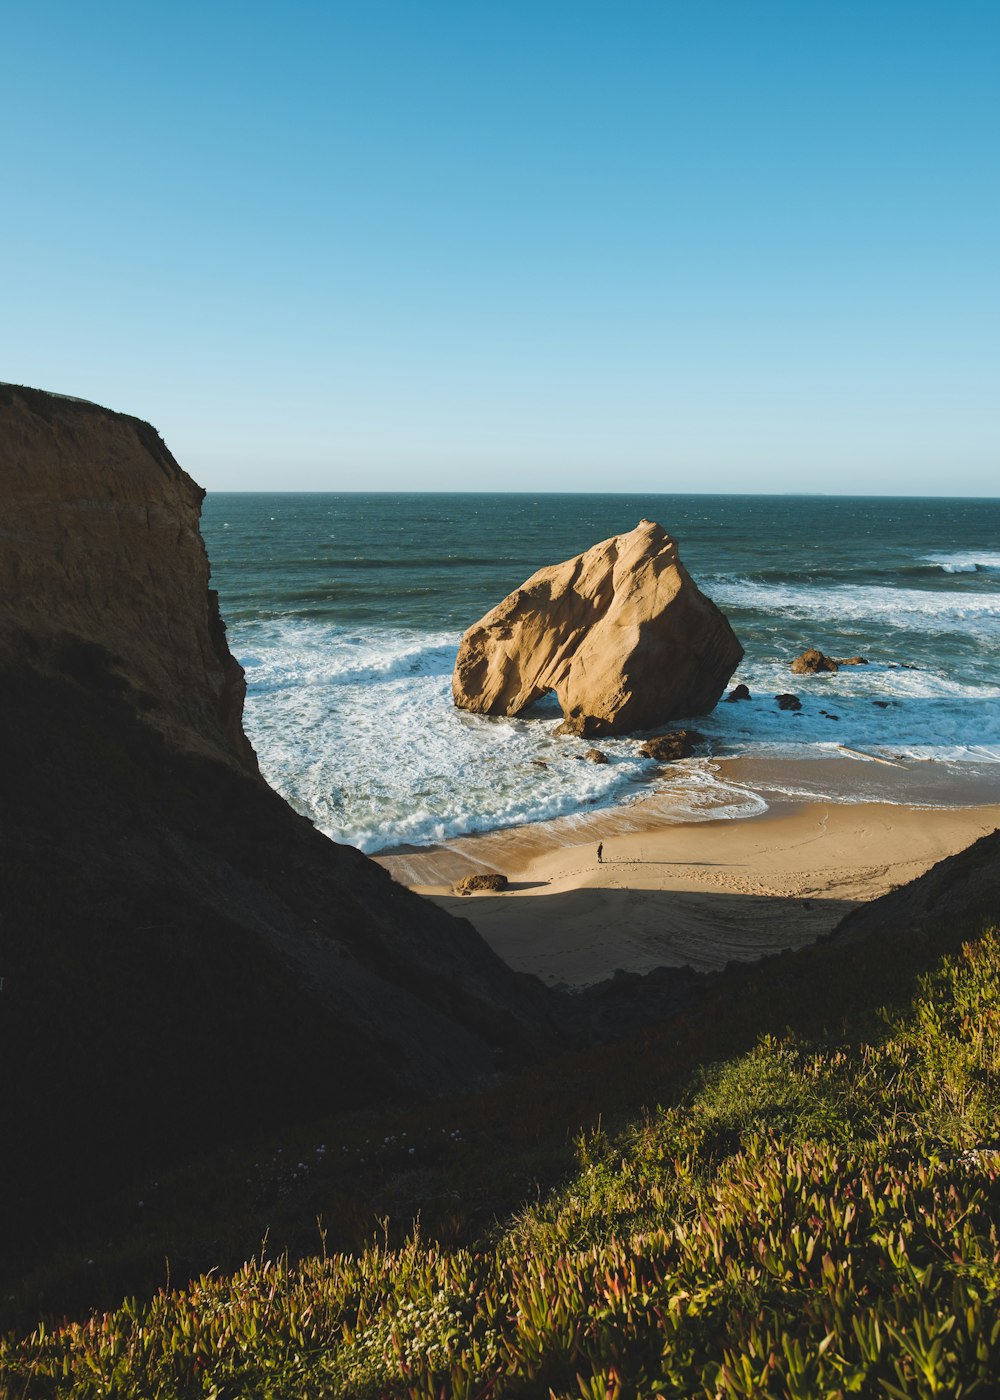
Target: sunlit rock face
point(621, 634)
point(103, 572)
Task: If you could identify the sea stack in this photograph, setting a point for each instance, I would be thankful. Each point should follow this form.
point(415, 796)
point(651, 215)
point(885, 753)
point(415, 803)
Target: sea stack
point(621, 634)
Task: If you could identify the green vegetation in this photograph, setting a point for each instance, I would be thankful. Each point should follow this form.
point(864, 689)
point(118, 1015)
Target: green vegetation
point(802, 1220)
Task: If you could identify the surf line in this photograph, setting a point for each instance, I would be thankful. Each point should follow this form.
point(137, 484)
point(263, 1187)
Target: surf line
point(872, 757)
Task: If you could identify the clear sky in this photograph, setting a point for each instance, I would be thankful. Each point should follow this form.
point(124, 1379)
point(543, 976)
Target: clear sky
point(413, 244)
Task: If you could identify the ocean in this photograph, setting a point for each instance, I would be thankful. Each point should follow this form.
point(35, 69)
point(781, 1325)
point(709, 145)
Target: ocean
point(346, 611)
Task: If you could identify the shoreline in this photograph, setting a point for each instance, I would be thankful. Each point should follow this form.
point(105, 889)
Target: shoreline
point(701, 892)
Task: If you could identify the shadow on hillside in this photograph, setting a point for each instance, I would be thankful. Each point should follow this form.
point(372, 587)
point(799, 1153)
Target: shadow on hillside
point(631, 861)
point(511, 887)
point(578, 937)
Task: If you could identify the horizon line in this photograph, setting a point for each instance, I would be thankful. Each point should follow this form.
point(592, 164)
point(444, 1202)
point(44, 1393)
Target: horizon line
point(637, 491)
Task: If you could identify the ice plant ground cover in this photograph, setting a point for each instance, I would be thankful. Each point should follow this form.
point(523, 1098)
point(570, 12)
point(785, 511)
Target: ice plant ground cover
point(804, 1219)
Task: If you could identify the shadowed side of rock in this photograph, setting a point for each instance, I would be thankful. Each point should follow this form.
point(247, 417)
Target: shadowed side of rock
point(621, 633)
point(184, 957)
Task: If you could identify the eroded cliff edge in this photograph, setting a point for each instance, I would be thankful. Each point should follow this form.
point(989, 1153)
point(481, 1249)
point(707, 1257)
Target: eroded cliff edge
point(184, 957)
point(103, 572)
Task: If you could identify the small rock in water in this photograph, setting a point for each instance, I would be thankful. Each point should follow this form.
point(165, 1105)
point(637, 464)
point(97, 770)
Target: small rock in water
point(811, 662)
point(788, 702)
point(678, 743)
point(738, 692)
point(480, 884)
point(595, 756)
point(851, 660)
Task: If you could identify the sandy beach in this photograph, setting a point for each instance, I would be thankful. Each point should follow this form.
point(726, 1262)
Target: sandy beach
point(671, 892)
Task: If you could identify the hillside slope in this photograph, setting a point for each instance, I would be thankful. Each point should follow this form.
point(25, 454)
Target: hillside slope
point(808, 1218)
point(964, 888)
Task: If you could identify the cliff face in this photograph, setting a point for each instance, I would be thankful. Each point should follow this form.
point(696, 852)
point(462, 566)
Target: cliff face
point(621, 633)
point(103, 572)
point(184, 957)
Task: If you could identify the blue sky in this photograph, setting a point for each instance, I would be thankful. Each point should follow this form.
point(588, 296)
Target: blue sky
point(684, 245)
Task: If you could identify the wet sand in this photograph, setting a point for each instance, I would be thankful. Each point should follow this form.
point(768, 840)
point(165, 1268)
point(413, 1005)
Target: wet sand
point(672, 891)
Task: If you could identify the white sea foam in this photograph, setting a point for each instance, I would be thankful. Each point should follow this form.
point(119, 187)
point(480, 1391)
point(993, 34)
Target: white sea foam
point(913, 609)
point(919, 714)
point(695, 792)
point(968, 562)
point(358, 731)
point(360, 734)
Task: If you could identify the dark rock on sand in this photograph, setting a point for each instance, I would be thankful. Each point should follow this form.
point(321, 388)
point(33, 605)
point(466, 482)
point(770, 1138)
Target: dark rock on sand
point(480, 884)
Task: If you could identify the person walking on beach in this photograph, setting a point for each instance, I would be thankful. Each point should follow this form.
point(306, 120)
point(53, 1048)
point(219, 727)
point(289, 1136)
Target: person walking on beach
point(600, 853)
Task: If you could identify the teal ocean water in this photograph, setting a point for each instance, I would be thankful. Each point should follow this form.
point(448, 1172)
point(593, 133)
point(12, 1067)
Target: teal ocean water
point(346, 611)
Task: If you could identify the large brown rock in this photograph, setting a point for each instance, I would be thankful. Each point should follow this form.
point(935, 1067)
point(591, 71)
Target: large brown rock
point(621, 633)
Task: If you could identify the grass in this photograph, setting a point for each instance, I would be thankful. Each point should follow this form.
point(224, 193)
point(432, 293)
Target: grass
point(802, 1219)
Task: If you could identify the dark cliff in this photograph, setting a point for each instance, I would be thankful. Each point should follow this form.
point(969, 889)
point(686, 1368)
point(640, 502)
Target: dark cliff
point(184, 959)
